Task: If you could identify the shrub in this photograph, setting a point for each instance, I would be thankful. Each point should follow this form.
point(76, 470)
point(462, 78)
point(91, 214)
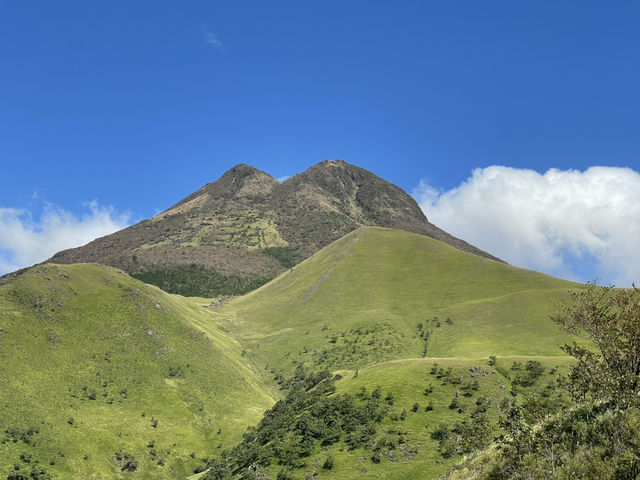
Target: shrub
point(328, 462)
point(441, 432)
point(125, 461)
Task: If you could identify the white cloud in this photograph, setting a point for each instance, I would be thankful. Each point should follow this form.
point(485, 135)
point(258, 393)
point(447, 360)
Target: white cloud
point(572, 224)
point(25, 241)
point(212, 40)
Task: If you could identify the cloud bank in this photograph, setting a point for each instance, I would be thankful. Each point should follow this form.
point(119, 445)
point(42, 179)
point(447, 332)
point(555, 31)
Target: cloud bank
point(25, 241)
point(571, 224)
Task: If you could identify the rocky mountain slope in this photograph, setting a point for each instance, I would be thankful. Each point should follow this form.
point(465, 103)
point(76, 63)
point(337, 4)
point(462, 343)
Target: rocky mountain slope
point(244, 229)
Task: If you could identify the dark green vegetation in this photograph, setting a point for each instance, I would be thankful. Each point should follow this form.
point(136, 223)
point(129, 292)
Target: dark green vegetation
point(247, 227)
point(385, 355)
point(198, 281)
point(103, 376)
point(597, 435)
point(307, 418)
point(284, 255)
point(423, 421)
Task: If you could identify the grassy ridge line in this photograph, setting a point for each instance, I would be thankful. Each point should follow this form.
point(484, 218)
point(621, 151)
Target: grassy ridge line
point(101, 371)
point(389, 281)
point(333, 252)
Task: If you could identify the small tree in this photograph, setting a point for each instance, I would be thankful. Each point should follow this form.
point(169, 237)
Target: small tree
point(441, 432)
point(611, 319)
point(328, 462)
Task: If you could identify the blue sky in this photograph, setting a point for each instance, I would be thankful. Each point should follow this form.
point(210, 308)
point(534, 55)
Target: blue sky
point(112, 111)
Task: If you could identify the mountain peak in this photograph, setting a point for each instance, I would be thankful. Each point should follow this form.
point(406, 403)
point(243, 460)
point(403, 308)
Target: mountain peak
point(247, 227)
point(239, 181)
point(364, 191)
point(334, 175)
point(242, 181)
point(333, 166)
point(333, 163)
point(242, 170)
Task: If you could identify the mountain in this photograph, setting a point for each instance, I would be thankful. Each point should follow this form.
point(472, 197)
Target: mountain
point(244, 229)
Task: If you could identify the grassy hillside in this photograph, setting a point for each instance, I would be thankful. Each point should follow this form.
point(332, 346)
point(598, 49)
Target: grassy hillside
point(380, 294)
point(481, 390)
point(404, 419)
point(105, 377)
point(398, 314)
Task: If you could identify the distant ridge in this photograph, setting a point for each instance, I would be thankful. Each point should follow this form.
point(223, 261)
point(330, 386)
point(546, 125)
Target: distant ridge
point(242, 230)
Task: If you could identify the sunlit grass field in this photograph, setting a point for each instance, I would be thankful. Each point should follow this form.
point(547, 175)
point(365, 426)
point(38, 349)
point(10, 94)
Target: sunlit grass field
point(361, 301)
point(99, 370)
point(106, 377)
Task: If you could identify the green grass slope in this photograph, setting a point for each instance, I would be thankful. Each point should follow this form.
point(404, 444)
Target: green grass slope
point(379, 294)
point(106, 377)
point(419, 456)
point(103, 376)
point(380, 307)
point(404, 419)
